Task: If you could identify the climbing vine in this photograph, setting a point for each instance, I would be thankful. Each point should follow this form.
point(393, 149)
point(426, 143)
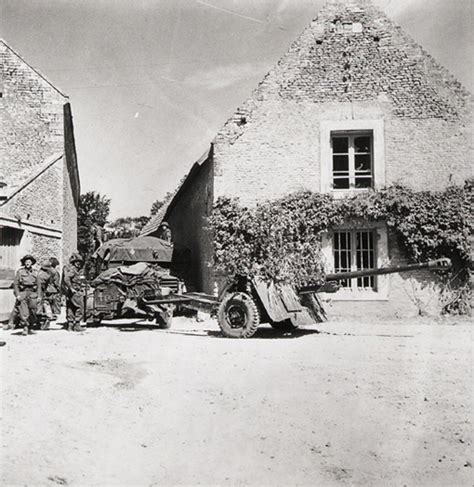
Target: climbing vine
point(281, 240)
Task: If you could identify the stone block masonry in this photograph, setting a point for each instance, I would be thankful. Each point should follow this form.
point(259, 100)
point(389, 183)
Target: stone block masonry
point(351, 63)
point(39, 180)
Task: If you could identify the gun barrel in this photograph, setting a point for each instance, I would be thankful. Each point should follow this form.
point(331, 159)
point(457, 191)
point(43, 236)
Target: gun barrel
point(439, 264)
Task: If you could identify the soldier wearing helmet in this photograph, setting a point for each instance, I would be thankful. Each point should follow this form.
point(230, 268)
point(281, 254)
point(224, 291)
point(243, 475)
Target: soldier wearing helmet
point(27, 292)
point(73, 291)
point(164, 232)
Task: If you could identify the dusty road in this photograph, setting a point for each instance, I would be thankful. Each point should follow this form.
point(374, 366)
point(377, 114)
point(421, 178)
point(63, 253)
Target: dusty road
point(357, 404)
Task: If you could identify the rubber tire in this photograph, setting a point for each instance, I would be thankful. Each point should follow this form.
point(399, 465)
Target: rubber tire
point(283, 326)
point(247, 306)
point(164, 319)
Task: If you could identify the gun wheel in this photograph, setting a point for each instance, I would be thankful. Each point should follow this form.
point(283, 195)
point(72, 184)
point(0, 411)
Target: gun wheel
point(238, 316)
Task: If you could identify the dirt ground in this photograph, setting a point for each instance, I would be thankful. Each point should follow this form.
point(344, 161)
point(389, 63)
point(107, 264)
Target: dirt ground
point(335, 404)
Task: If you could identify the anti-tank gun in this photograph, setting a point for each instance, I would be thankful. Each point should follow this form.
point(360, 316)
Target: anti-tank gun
point(248, 302)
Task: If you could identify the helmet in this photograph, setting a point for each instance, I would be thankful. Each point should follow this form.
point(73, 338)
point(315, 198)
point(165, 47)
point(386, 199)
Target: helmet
point(53, 261)
point(164, 225)
point(28, 257)
point(76, 258)
point(46, 264)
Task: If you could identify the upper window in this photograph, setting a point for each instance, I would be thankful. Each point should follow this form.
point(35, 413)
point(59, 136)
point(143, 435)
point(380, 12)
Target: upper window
point(352, 160)
point(352, 156)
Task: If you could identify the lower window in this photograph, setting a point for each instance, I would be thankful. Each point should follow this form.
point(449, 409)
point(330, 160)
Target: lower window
point(355, 250)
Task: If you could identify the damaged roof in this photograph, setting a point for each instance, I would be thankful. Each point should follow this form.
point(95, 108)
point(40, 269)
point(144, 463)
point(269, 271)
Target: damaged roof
point(162, 214)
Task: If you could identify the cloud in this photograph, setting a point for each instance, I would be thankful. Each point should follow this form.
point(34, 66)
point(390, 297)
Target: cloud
point(219, 77)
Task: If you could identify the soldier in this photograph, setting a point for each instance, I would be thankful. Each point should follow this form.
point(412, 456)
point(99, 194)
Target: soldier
point(44, 278)
point(53, 291)
point(72, 289)
point(164, 232)
point(27, 293)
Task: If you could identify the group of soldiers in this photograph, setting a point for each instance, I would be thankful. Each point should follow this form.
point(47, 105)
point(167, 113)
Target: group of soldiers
point(39, 294)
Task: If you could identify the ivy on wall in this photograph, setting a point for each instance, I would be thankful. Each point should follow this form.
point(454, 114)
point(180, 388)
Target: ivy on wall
point(281, 239)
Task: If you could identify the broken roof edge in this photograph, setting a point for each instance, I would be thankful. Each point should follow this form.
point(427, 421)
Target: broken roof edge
point(168, 206)
point(35, 70)
point(250, 104)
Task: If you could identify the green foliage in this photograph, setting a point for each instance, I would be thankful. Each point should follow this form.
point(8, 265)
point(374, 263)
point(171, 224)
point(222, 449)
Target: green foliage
point(92, 215)
point(428, 224)
point(278, 240)
point(127, 227)
point(281, 240)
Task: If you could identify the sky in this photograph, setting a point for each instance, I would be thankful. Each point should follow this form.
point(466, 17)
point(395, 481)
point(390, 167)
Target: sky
point(151, 82)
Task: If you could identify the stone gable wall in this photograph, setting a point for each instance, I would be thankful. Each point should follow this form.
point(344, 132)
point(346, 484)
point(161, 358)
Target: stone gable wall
point(31, 118)
point(35, 124)
point(271, 145)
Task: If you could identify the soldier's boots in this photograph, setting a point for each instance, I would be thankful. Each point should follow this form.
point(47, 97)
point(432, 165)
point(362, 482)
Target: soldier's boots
point(27, 331)
point(9, 326)
point(45, 324)
point(78, 327)
point(75, 327)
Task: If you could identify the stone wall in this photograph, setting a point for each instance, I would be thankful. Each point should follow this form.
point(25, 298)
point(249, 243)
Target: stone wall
point(369, 70)
point(31, 118)
point(38, 161)
point(41, 200)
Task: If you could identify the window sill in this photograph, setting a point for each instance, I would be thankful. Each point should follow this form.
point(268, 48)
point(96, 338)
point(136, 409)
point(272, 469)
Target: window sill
point(342, 193)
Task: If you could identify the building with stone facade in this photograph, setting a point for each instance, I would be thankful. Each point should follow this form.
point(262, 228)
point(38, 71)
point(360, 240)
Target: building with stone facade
point(354, 105)
point(39, 179)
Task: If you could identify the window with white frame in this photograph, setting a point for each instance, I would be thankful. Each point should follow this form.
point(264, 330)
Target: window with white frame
point(352, 155)
point(352, 160)
point(355, 250)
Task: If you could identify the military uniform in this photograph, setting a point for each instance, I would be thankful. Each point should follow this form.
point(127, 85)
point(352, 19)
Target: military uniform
point(28, 293)
point(73, 290)
point(44, 278)
point(53, 292)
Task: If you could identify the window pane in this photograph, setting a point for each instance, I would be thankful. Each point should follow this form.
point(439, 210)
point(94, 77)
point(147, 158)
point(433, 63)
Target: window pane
point(363, 163)
point(340, 145)
point(340, 163)
point(342, 254)
point(341, 183)
point(365, 257)
point(363, 182)
point(362, 144)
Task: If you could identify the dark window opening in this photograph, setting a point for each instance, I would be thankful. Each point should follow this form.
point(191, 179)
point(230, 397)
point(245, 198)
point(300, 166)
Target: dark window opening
point(354, 250)
point(352, 160)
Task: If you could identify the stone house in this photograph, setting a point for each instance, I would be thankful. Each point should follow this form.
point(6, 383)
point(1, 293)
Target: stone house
point(355, 104)
point(39, 179)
